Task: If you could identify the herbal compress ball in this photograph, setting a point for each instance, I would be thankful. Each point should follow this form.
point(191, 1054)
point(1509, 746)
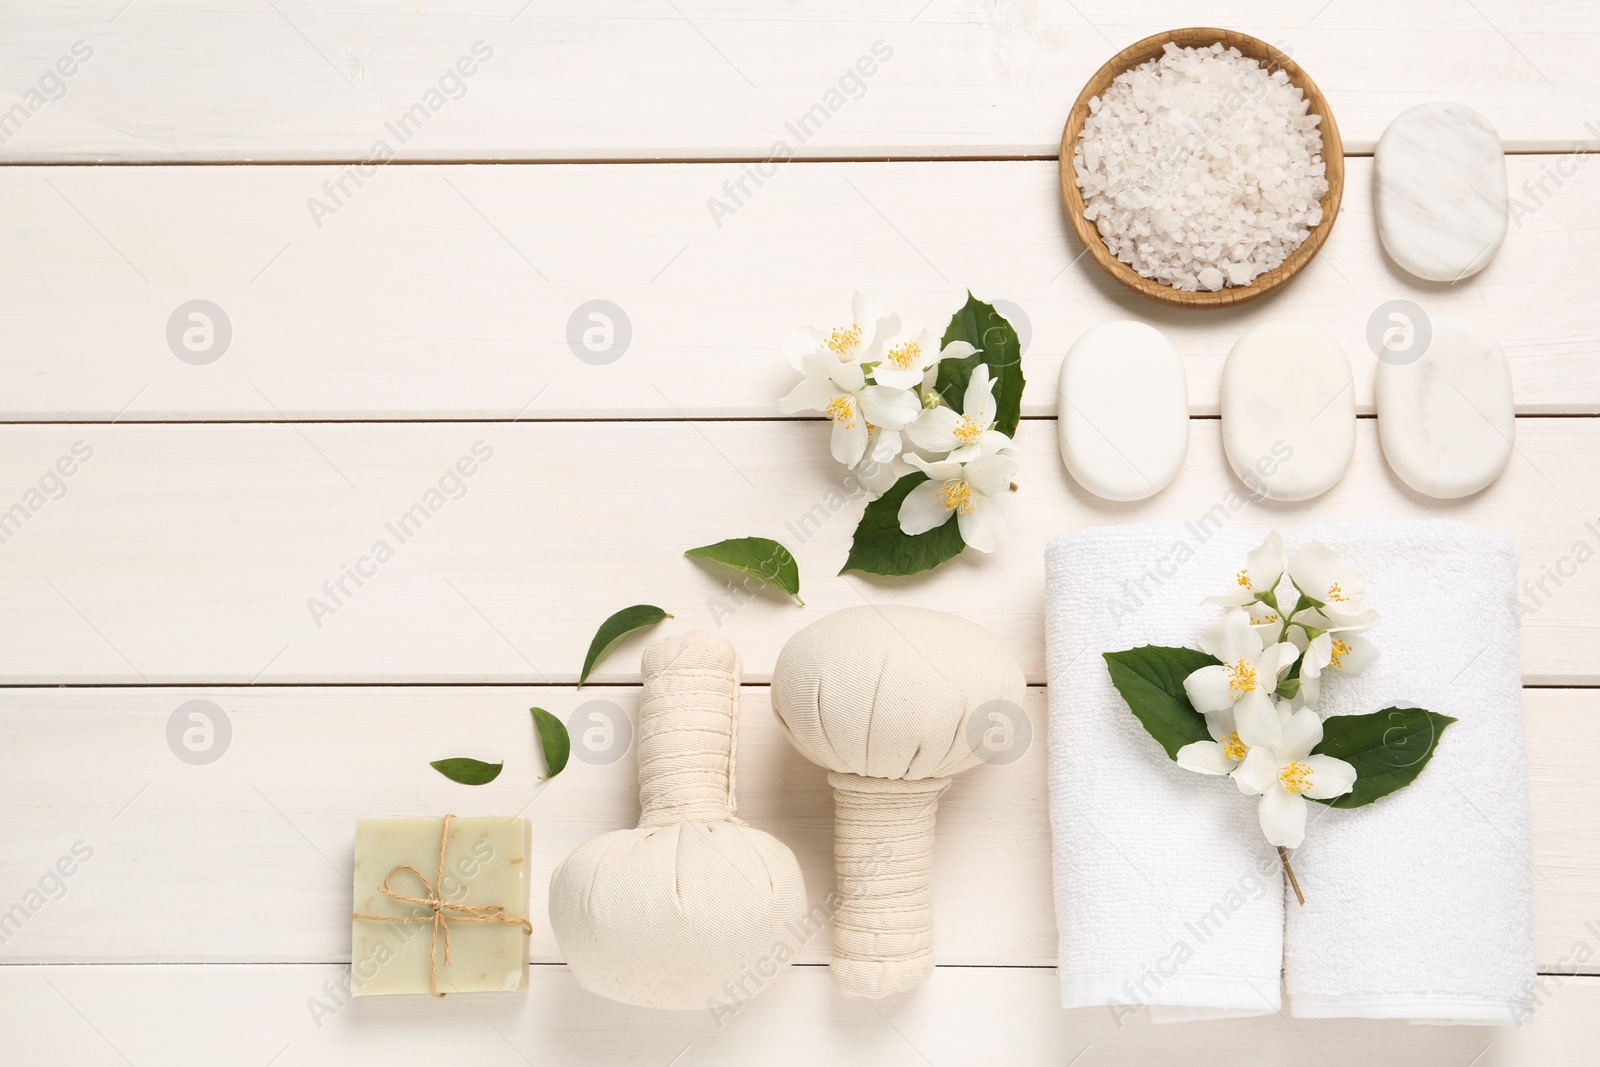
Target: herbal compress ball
point(671, 913)
point(883, 698)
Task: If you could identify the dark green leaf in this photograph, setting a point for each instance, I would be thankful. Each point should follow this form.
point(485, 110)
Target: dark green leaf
point(985, 329)
point(1388, 749)
point(1150, 679)
point(757, 556)
point(881, 547)
point(553, 740)
point(615, 629)
point(467, 771)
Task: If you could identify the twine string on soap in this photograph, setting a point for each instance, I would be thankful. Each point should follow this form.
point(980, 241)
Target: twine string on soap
point(434, 901)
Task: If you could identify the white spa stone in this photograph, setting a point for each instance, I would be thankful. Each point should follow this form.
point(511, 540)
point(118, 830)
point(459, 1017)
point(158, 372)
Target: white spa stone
point(1441, 191)
point(1288, 411)
point(1124, 411)
point(1447, 419)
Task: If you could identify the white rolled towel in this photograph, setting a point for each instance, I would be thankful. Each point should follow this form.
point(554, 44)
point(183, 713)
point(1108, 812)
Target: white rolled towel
point(1418, 906)
point(1167, 895)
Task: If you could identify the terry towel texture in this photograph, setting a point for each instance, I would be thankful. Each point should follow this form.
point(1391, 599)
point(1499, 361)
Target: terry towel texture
point(1167, 895)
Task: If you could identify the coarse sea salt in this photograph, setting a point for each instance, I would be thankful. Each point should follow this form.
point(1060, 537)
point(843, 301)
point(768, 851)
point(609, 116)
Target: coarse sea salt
point(1200, 169)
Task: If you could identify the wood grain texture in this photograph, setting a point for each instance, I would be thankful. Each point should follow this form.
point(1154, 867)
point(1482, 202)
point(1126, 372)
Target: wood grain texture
point(441, 292)
point(247, 859)
point(199, 554)
point(1272, 60)
point(113, 1016)
point(609, 79)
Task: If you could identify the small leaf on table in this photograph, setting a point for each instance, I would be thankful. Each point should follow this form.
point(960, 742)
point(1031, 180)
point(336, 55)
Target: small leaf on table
point(614, 629)
point(468, 771)
point(758, 556)
point(553, 740)
point(1150, 679)
point(881, 547)
point(985, 329)
point(1388, 749)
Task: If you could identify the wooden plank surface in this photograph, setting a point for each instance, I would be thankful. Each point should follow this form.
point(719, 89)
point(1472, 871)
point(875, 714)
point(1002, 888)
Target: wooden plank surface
point(214, 554)
point(305, 80)
point(112, 1016)
point(452, 292)
point(247, 858)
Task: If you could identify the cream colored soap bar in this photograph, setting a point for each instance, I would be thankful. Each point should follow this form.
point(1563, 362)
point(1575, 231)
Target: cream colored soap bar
point(485, 867)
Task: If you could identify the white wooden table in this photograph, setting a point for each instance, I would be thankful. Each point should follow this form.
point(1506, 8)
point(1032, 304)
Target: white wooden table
point(384, 319)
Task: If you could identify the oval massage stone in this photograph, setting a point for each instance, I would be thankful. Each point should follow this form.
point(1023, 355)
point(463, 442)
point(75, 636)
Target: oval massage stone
point(1288, 411)
point(1441, 191)
point(1124, 411)
point(1447, 419)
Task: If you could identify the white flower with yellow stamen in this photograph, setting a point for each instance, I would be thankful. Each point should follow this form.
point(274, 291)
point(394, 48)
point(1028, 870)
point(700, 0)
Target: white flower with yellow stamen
point(859, 342)
point(965, 435)
point(1283, 773)
point(965, 490)
point(906, 365)
point(1266, 621)
point(1245, 680)
point(1318, 573)
point(1263, 568)
point(1220, 755)
point(840, 391)
point(1338, 646)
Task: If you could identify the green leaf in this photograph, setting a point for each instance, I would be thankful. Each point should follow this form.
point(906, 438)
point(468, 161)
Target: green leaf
point(1388, 749)
point(467, 771)
point(881, 547)
point(758, 556)
point(614, 630)
point(1150, 679)
point(553, 739)
point(985, 329)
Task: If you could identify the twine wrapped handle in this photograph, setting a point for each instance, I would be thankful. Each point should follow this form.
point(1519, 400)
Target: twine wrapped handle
point(434, 901)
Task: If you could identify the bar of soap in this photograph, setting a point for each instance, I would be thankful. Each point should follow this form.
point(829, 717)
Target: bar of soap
point(1123, 402)
point(1441, 194)
point(1288, 410)
point(1447, 419)
point(486, 864)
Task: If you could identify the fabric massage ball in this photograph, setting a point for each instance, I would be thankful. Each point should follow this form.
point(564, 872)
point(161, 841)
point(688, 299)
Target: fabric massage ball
point(883, 698)
point(667, 915)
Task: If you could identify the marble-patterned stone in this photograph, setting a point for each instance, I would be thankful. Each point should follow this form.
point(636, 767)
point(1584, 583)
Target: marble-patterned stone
point(1447, 419)
point(1288, 410)
point(1123, 401)
point(1441, 193)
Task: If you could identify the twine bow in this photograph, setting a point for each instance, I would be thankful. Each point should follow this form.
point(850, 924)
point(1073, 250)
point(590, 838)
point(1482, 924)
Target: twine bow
point(434, 901)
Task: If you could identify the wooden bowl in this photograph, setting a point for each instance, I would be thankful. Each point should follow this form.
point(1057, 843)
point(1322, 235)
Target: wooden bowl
point(1272, 59)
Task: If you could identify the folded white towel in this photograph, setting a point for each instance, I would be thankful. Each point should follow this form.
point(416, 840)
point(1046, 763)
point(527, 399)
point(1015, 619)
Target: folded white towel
point(1167, 895)
point(1417, 907)
point(1420, 906)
